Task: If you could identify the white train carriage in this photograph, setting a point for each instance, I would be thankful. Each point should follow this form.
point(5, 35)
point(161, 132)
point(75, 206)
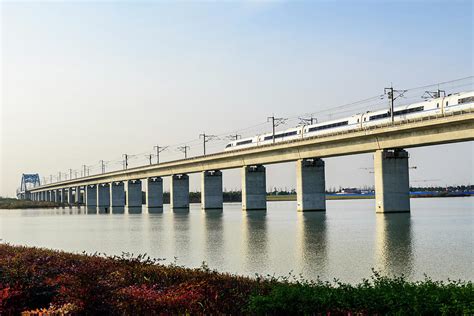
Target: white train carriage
point(401, 113)
point(458, 102)
point(242, 143)
point(289, 134)
point(344, 124)
point(442, 105)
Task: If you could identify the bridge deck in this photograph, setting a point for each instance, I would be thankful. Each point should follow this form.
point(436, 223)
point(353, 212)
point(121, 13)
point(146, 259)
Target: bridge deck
point(440, 129)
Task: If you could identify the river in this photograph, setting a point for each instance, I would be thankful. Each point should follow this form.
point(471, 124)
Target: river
point(345, 242)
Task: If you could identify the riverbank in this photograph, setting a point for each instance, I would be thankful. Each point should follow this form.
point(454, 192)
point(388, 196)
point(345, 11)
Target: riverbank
point(8, 203)
point(35, 281)
point(229, 197)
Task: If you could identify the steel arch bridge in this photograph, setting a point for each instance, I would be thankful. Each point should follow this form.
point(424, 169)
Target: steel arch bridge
point(28, 181)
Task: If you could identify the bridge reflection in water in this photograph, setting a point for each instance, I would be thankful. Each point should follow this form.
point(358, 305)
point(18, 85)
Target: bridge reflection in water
point(181, 234)
point(312, 249)
point(255, 240)
point(214, 237)
point(393, 251)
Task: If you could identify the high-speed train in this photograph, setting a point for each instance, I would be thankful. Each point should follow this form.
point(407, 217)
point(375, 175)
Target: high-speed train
point(442, 105)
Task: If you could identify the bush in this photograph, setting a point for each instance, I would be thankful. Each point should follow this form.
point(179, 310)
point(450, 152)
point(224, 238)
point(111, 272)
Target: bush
point(38, 281)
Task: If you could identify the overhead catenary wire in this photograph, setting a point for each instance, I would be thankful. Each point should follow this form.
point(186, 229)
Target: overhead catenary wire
point(368, 104)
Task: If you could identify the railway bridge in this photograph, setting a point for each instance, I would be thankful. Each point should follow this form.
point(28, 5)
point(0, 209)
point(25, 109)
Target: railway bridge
point(388, 143)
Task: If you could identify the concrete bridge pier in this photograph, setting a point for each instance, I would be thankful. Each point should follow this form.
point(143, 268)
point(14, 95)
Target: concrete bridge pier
point(392, 187)
point(211, 190)
point(79, 199)
point(254, 193)
point(70, 196)
point(63, 195)
point(134, 193)
point(179, 193)
point(310, 185)
point(54, 196)
point(91, 195)
point(154, 192)
point(103, 195)
point(117, 194)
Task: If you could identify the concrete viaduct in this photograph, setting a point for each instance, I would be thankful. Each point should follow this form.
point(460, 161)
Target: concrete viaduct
point(387, 143)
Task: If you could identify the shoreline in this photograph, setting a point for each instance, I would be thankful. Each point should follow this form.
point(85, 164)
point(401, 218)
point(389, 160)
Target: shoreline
point(39, 280)
point(12, 203)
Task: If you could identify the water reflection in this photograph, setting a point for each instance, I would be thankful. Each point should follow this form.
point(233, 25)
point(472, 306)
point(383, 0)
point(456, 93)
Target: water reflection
point(103, 209)
point(181, 234)
point(134, 210)
point(254, 231)
point(155, 210)
point(214, 232)
point(313, 252)
point(394, 254)
point(117, 209)
point(91, 209)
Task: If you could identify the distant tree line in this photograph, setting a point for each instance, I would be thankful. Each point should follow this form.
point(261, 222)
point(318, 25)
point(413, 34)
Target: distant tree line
point(236, 196)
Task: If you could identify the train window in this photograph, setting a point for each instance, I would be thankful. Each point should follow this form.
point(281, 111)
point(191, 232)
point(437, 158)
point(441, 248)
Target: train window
point(228, 145)
point(446, 103)
point(466, 100)
point(379, 116)
point(244, 142)
point(280, 135)
point(437, 105)
point(317, 128)
point(365, 119)
point(407, 111)
point(358, 120)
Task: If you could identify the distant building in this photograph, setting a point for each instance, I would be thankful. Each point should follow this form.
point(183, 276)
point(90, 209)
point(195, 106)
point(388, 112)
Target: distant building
point(350, 191)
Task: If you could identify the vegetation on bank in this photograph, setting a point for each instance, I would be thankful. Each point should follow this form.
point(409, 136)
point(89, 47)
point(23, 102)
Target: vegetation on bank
point(35, 281)
point(8, 203)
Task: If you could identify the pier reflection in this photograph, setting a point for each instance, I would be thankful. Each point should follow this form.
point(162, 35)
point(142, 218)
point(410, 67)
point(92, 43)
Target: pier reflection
point(313, 250)
point(214, 232)
point(394, 253)
point(103, 209)
point(255, 239)
point(118, 209)
point(181, 234)
point(91, 209)
point(155, 210)
point(134, 210)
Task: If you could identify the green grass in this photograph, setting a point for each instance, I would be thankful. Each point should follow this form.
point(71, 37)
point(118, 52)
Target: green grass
point(8, 203)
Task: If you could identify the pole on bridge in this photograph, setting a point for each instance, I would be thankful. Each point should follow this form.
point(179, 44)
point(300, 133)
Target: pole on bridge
point(205, 139)
point(102, 165)
point(234, 137)
point(125, 162)
point(276, 121)
point(391, 96)
point(184, 149)
point(159, 149)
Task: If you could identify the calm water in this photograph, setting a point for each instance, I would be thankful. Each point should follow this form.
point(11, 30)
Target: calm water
point(345, 242)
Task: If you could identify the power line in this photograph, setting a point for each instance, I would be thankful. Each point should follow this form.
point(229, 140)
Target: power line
point(368, 103)
point(205, 139)
point(184, 149)
point(158, 151)
point(276, 121)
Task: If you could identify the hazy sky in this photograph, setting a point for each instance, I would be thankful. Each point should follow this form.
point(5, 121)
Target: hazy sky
point(83, 81)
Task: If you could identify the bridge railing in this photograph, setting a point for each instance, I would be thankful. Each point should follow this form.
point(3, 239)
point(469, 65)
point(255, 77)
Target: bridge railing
point(346, 132)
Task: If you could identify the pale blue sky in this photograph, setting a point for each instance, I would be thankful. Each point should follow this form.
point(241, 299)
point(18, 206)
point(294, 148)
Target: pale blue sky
point(85, 81)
